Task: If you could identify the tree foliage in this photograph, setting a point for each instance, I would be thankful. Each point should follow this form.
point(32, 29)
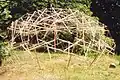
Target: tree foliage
point(13, 9)
point(108, 12)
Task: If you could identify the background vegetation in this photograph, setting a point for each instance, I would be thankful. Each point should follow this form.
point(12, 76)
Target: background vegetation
point(13, 9)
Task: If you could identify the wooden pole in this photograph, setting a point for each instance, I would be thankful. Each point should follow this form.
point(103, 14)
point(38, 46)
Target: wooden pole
point(55, 38)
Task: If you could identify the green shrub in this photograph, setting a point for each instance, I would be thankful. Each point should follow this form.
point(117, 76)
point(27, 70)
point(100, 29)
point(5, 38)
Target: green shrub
point(11, 10)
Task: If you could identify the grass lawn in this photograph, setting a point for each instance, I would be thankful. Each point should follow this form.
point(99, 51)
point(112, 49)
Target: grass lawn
point(38, 66)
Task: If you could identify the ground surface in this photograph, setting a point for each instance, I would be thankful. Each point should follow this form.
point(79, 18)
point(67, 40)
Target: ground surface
point(25, 66)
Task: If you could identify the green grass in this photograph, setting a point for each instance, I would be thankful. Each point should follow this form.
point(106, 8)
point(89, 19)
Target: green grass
point(25, 66)
point(117, 57)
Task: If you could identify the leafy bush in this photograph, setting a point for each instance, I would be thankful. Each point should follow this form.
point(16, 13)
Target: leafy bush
point(13, 9)
point(2, 52)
